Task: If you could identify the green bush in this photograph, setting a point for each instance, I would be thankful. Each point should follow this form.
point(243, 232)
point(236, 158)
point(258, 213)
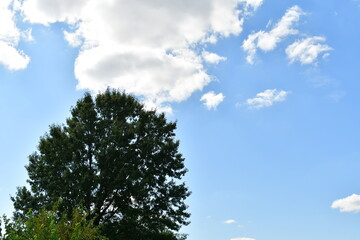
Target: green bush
point(46, 225)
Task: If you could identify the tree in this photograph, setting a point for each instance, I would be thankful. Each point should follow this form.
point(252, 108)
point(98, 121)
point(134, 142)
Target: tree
point(47, 226)
point(119, 161)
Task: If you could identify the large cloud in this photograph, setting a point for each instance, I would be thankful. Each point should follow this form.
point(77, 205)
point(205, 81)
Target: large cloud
point(148, 48)
point(10, 35)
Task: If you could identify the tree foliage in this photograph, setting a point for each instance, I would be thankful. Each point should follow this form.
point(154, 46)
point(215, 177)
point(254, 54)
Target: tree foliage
point(46, 225)
point(118, 160)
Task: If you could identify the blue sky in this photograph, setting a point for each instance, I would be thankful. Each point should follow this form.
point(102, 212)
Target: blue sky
point(265, 94)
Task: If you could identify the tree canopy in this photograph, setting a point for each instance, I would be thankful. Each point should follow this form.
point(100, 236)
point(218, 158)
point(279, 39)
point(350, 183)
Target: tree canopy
point(119, 161)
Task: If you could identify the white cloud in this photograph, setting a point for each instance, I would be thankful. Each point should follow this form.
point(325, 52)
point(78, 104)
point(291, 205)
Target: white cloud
point(212, 57)
point(268, 41)
point(212, 100)
point(10, 36)
point(267, 98)
point(143, 47)
point(348, 204)
point(254, 3)
point(47, 12)
point(8, 31)
point(12, 58)
point(242, 238)
point(230, 221)
point(251, 5)
point(307, 50)
point(73, 38)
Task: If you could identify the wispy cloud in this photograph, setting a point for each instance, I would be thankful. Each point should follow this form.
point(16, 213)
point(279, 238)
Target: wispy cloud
point(268, 41)
point(348, 204)
point(267, 98)
point(357, 2)
point(336, 96)
point(230, 221)
point(212, 100)
point(306, 51)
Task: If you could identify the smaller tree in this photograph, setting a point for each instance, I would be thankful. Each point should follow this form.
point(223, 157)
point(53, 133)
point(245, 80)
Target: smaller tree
point(46, 225)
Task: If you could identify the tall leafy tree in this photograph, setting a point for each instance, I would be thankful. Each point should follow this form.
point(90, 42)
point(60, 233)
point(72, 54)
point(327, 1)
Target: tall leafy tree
point(119, 161)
